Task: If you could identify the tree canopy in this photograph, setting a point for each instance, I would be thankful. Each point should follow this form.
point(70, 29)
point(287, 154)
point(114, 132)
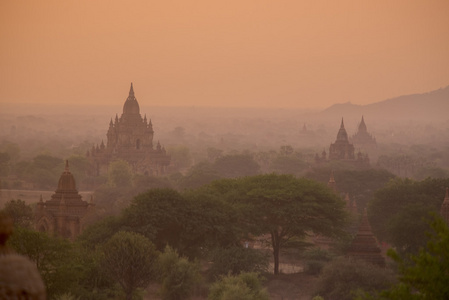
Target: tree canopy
point(399, 212)
point(130, 259)
point(283, 207)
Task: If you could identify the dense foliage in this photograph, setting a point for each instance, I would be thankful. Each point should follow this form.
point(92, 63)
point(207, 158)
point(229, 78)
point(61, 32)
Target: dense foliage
point(342, 278)
point(399, 212)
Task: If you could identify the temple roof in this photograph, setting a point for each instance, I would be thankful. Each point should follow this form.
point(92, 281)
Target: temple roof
point(342, 134)
point(364, 246)
point(131, 105)
point(362, 125)
point(66, 181)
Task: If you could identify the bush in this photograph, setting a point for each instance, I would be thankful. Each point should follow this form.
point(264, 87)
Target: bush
point(246, 286)
point(236, 260)
point(343, 277)
point(177, 274)
point(315, 259)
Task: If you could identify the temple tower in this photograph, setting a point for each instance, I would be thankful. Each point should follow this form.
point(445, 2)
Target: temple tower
point(364, 246)
point(129, 138)
point(341, 149)
point(62, 215)
point(364, 141)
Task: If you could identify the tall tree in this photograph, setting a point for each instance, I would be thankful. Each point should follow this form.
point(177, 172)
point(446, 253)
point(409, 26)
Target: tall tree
point(398, 213)
point(283, 207)
point(20, 212)
point(120, 174)
point(425, 275)
point(177, 274)
point(130, 258)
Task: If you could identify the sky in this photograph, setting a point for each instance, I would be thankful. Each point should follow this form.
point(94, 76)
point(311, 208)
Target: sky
point(283, 53)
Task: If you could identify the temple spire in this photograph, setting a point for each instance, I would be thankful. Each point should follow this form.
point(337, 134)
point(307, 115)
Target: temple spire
point(67, 166)
point(342, 126)
point(362, 125)
point(131, 91)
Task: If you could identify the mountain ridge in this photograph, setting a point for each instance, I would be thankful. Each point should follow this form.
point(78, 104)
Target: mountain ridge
point(431, 105)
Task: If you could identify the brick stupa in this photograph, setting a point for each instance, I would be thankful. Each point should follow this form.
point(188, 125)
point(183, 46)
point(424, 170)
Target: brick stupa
point(364, 246)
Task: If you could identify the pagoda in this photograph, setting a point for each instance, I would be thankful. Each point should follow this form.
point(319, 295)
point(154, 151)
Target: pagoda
point(364, 246)
point(129, 138)
point(65, 213)
point(341, 149)
point(362, 139)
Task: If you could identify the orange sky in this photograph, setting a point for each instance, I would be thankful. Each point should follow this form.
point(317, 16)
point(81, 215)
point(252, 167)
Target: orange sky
point(222, 53)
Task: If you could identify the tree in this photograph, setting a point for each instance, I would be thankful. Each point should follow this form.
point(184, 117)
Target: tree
point(119, 174)
point(191, 223)
point(359, 184)
point(177, 274)
point(130, 258)
point(288, 165)
point(198, 175)
point(398, 213)
point(20, 212)
point(47, 162)
point(99, 233)
point(55, 259)
point(283, 207)
point(424, 275)
point(246, 286)
point(180, 156)
point(238, 165)
point(236, 260)
point(160, 215)
point(341, 279)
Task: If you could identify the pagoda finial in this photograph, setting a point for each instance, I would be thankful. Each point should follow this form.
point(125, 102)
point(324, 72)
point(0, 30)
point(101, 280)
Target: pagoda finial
point(342, 123)
point(67, 165)
point(131, 91)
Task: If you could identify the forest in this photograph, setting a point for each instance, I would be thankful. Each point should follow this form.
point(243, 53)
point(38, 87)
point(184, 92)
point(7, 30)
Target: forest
point(242, 201)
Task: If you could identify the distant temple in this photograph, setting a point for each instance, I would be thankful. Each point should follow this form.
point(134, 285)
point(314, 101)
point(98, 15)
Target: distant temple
point(65, 214)
point(130, 138)
point(343, 150)
point(364, 246)
point(364, 141)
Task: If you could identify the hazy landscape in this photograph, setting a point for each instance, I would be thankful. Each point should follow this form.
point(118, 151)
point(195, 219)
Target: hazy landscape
point(237, 150)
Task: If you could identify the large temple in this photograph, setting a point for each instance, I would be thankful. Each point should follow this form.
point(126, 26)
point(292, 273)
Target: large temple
point(341, 149)
point(364, 142)
point(65, 214)
point(362, 138)
point(130, 138)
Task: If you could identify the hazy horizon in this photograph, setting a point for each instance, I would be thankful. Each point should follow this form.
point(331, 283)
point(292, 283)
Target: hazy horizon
point(302, 55)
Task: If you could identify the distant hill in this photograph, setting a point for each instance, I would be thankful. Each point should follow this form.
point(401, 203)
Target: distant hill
point(428, 106)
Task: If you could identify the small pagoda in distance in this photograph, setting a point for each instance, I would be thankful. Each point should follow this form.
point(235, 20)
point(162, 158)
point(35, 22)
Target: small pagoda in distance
point(365, 246)
point(65, 214)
